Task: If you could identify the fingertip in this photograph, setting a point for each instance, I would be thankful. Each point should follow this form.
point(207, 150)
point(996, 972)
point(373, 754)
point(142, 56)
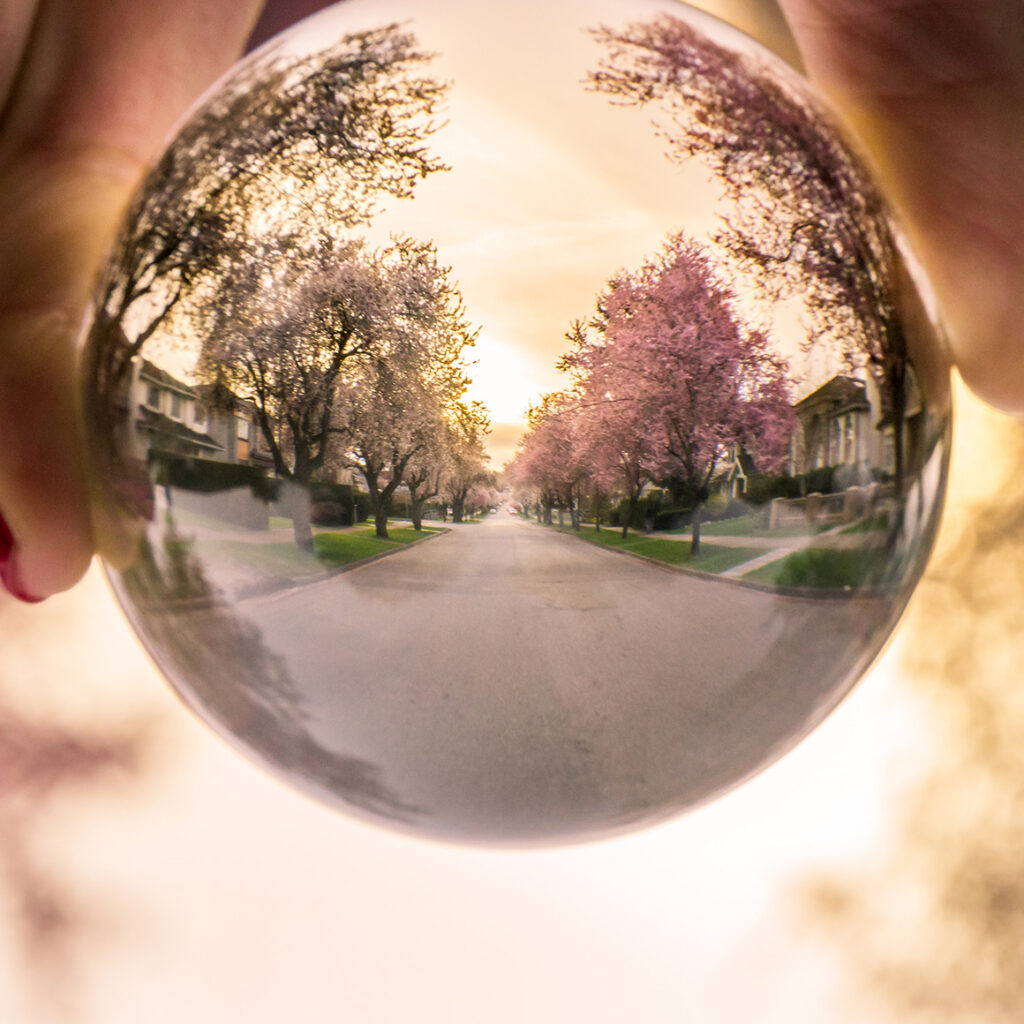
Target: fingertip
point(32, 571)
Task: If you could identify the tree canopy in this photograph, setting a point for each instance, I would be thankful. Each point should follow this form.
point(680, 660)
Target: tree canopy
point(288, 144)
point(666, 378)
point(805, 215)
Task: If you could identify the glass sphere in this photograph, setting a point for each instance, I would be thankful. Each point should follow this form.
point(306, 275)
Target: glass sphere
point(514, 425)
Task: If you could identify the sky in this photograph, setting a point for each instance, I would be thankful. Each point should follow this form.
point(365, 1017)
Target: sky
point(552, 189)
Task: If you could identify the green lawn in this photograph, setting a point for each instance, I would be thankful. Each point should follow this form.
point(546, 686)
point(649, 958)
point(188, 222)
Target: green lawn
point(827, 568)
point(330, 550)
point(396, 534)
point(879, 522)
point(710, 559)
point(750, 526)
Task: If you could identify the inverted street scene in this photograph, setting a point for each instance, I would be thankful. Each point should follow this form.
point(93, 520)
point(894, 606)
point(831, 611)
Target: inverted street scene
point(514, 445)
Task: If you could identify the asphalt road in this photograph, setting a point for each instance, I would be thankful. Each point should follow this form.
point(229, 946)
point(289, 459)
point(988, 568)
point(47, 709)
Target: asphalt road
point(507, 682)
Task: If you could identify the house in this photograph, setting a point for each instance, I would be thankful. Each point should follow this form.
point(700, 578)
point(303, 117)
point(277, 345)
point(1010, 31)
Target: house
point(836, 427)
point(733, 478)
point(849, 422)
point(166, 416)
point(173, 417)
point(234, 424)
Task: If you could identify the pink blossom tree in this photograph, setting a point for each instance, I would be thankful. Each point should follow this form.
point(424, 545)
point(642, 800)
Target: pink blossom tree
point(805, 216)
point(309, 144)
point(278, 330)
point(612, 419)
point(672, 378)
point(426, 472)
point(553, 455)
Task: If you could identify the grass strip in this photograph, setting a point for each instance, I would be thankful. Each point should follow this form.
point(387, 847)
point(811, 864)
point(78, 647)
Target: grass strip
point(750, 526)
point(330, 550)
point(711, 558)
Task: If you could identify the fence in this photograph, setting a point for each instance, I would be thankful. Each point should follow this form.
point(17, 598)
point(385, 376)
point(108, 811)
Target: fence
point(831, 509)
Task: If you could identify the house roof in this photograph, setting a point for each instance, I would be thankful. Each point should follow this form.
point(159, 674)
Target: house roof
point(840, 394)
point(173, 431)
point(151, 372)
point(220, 398)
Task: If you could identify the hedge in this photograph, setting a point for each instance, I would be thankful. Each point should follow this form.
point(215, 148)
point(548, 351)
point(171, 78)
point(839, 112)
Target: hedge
point(207, 476)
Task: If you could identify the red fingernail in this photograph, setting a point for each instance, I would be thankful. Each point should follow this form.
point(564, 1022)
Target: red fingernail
point(8, 569)
point(6, 540)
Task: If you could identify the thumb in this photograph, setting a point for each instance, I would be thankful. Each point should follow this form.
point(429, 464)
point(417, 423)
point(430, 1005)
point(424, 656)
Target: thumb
point(98, 88)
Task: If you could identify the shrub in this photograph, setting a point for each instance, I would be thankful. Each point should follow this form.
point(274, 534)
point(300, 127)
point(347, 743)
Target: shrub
point(762, 488)
point(671, 519)
point(208, 476)
point(330, 513)
point(621, 511)
point(819, 481)
point(831, 567)
point(357, 503)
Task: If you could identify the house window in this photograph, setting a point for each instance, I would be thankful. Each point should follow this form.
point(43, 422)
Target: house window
point(176, 406)
point(241, 439)
point(199, 417)
point(153, 397)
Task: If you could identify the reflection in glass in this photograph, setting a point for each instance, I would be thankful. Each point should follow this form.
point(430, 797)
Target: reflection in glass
point(350, 272)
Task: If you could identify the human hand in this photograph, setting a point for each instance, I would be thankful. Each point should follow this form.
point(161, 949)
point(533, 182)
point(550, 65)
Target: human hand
point(936, 90)
point(92, 87)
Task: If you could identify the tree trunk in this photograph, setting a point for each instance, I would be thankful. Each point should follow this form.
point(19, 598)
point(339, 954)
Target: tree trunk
point(695, 530)
point(630, 509)
point(380, 503)
point(298, 505)
point(417, 515)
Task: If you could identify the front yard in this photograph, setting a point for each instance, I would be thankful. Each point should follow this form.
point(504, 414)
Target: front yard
point(712, 558)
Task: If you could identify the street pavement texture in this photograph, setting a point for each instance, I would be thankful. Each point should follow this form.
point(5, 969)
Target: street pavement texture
point(508, 683)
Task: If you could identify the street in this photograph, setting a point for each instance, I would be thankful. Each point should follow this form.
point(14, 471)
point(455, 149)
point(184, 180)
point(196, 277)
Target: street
point(507, 682)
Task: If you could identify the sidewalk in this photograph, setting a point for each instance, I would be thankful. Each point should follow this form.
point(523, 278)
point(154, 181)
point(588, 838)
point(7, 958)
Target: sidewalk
point(777, 548)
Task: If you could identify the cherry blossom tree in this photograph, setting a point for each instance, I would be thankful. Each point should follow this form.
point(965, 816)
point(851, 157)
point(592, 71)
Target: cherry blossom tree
point(612, 424)
point(289, 143)
point(391, 400)
point(674, 378)
point(552, 456)
point(805, 216)
point(278, 329)
point(467, 429)
point(426, 472)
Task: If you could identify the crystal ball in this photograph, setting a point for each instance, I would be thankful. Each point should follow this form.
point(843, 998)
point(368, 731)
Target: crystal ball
point(514, 428)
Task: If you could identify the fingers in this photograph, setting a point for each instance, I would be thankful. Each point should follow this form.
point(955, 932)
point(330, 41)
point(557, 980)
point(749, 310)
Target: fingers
point(99, 86)
point(936, 90)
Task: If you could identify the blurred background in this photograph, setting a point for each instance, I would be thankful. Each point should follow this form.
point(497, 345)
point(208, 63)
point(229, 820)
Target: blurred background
point(150, 874)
